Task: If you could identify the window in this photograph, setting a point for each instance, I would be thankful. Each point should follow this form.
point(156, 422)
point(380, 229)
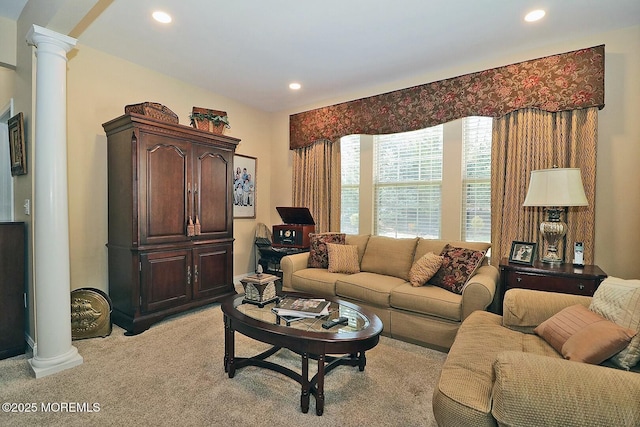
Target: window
point(407, 183)
point(432, 183)
point(350, 170)
point(476, 181)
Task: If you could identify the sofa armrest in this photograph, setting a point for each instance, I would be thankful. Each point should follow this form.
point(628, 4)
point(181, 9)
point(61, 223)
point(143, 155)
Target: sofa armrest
point(479, 291)
point(535, 390)
point(524, 309)
point(290, 264)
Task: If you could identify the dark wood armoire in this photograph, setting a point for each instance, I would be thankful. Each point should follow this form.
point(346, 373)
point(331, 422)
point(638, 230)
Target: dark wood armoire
point(170, 219)
point(12, 288)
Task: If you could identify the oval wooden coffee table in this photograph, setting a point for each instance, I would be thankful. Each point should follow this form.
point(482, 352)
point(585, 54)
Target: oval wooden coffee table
point(305, 337)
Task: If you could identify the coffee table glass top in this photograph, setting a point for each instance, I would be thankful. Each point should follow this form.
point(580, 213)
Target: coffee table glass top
point(357, 321)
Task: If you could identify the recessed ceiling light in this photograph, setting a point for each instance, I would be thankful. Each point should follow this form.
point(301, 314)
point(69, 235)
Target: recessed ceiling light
point(295, 86)
point(534, 15)
point(161, 16)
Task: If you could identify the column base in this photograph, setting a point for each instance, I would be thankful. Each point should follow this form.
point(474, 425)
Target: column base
point(43, 367)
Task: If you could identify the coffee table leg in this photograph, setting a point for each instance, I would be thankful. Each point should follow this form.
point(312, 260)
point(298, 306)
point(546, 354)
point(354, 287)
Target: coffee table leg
point(304, 397)
point(363, 361)
point(320, 385)
point(229, 349)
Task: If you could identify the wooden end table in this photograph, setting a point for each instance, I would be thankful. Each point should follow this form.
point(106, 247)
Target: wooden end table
point(304, 337)
point(565, 278)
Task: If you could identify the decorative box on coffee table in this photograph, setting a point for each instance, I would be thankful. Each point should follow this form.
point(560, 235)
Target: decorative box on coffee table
point(259, 289)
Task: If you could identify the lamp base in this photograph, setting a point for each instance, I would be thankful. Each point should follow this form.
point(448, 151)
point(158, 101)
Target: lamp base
point(553, 231)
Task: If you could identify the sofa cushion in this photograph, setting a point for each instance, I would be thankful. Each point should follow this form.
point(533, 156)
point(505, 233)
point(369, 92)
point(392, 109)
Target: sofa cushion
point(343, 258)
point(318, 255)
point(360, 240)
point(315, 281)
point(368, 287)
point(458, 265)
point(597, 342)
point(618, 300)
point(463, 393)
point(389, 256)
point(429, 300)
point(423, 269)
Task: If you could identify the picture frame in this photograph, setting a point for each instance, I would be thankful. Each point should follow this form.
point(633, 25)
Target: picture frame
point(244, 186)
point(523, 252)
point(17, 145)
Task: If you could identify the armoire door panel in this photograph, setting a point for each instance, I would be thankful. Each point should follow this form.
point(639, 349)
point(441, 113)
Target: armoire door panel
point(214, 266)
point(165, 202)
point(213, 175)
point(165, 279)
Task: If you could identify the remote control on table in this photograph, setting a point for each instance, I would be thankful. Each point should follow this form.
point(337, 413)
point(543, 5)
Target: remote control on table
point(339, 321)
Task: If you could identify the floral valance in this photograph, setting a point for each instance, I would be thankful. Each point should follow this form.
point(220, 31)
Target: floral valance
point(566, 81)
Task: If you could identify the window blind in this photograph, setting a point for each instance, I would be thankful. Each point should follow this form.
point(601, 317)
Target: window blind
point(350, 179)
point(476, 203)
point(407, 183)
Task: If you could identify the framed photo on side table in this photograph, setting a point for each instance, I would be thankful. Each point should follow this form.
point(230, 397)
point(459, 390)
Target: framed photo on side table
point(523, 252)
point(16, 145)
point(244, 186)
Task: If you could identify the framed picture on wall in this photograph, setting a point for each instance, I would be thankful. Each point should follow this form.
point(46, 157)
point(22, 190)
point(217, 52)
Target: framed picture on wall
point(523, 252)
point(17, 144)
point(244, 186)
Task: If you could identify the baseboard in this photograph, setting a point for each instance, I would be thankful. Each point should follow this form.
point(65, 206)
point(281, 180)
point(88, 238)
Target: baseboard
point(31, 345)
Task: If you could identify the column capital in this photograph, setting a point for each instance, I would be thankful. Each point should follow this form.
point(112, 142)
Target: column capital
point(38, 34)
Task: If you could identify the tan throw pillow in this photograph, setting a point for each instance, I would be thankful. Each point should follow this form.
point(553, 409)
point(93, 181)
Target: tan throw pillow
point(618, 300)
point(423, 269)
point(560, 327)
point(597, 342)
point(343, 258)
point(318, 257)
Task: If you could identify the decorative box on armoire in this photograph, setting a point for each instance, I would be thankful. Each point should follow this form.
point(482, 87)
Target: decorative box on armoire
point(170, 219)
point(12, 288)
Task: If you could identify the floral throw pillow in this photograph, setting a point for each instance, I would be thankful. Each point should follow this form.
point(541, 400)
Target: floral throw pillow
point(458, 265)
point(318, 255)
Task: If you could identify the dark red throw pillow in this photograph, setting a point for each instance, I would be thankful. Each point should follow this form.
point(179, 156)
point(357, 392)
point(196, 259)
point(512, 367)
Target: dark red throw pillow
point(458, 265)
point(318, 254)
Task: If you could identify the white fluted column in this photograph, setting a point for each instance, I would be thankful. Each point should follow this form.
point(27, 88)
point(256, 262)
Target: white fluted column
point(54, 351)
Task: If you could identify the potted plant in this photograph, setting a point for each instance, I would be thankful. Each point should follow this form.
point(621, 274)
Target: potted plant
point(210, 120)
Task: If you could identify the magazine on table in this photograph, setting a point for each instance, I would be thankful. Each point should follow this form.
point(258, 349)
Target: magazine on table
point(302, 307)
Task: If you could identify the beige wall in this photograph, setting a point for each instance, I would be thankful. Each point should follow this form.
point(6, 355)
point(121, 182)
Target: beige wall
point(99, 86)
point(618, 174)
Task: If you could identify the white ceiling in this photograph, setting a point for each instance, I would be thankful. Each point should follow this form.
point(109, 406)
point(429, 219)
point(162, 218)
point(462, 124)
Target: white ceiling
point(250, 50)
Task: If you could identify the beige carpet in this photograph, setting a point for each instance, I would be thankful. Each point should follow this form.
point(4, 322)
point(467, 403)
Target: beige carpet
point(173, 374)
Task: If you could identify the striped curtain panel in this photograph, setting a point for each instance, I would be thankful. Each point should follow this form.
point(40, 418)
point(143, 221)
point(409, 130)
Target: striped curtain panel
point(530, 139)
point(316, 183)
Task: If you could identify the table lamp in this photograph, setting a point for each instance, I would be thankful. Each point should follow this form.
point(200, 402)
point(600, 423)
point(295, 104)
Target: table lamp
point(554, 189)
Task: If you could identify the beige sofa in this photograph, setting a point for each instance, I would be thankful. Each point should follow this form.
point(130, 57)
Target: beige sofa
point(499, 373)
point(426, 315)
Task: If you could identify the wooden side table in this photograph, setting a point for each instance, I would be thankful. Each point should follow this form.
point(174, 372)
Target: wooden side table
point(564, 278)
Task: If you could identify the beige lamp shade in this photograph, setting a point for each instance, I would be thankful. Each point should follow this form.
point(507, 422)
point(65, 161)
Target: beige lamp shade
point(556, 187)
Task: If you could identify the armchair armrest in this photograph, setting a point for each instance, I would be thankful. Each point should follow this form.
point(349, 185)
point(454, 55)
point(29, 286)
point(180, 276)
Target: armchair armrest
point(524, 309)
point(479, 292)
point(290, 264)
point(535, 390)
